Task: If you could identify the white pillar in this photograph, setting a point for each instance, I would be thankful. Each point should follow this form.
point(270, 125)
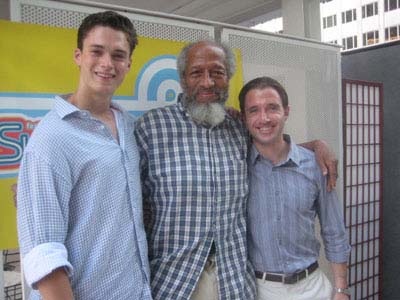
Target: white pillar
point(302, 18)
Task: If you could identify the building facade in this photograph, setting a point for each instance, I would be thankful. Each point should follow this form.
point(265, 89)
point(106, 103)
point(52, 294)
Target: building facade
point(360, 23)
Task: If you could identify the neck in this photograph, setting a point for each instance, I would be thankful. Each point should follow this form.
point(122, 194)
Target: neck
point(275, 152)
point(97, 105)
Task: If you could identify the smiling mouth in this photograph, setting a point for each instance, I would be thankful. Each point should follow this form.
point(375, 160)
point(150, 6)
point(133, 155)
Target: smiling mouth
point(105, 75)
point(265, 129)
point(206, 95)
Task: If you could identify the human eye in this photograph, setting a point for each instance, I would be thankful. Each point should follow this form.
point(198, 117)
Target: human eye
point(252, 110)
point(219, 73)
point(96, 52)
point(274, 107)
point(119, 56)
point(195, 73)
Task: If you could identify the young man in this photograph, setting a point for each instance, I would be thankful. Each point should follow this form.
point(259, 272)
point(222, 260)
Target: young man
point(287, 191)
point(194, 178)
point(79, 196)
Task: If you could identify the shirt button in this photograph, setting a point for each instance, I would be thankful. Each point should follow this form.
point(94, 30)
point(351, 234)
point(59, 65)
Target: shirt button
point(276, 193)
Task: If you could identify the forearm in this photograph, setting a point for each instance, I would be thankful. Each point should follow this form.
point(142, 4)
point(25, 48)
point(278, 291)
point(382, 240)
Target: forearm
point(340, 275)
point(56, 286)
point(340, 280)
point(310, 145)
point(326, 160)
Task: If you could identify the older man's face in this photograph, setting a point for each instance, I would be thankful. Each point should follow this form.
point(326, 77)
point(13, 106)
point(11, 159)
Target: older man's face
point(206, 78)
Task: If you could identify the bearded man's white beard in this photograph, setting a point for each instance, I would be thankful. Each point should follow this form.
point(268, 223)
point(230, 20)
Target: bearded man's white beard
point(209, 114)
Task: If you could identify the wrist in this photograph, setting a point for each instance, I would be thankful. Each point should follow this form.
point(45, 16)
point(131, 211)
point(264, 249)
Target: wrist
point(345, 291)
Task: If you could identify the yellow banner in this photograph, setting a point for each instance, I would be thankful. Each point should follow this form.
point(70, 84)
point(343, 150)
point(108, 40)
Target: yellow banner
point(37, 63)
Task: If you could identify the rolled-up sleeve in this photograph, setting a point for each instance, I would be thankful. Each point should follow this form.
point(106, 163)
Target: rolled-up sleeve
point(43, 259)
point(333, 231)
point(42, 217)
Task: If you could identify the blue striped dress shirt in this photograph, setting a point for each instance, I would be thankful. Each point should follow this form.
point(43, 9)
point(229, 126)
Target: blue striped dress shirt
point(283, 204)
point(80, 205)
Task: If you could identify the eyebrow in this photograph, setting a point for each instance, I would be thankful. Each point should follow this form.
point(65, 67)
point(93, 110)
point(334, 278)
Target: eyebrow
point(96, 46)
point(102, 47)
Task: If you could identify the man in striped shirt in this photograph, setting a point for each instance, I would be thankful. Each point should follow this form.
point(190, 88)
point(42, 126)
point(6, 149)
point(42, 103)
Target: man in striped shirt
point(287, 192)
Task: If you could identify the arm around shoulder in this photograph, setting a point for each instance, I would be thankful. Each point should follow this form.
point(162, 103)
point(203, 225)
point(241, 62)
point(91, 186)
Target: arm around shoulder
point(326, 159)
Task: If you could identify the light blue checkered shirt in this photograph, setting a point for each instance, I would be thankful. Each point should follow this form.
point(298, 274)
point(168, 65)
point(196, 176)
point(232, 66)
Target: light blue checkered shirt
point(283, 204)
point(80, 205)
point(195, 185)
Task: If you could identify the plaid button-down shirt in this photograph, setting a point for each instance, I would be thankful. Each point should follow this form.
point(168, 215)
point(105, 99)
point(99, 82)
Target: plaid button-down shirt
point(195, 185)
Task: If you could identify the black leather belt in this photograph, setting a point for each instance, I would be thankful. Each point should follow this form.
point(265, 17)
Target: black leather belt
point(290, 278)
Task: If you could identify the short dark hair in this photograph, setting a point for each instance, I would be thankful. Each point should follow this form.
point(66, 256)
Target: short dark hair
point(108, 19)
point(261, 83)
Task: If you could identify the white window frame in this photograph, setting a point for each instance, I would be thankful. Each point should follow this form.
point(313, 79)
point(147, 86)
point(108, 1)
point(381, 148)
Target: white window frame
point(387, 5)
point(353, 13)
point(332, 19)
point(374, 39)
point(375, 9)
point(388, 38)
point(345, 43)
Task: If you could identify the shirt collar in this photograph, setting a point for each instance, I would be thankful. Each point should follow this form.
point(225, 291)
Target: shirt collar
point(292, 158)
point(64, 108)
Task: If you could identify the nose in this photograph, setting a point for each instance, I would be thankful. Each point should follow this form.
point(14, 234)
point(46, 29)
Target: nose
point(264, 115)
point(206, 80)
point(106, 60)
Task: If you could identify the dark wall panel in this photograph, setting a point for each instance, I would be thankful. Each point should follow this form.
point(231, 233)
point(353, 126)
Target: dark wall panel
point(382, 64)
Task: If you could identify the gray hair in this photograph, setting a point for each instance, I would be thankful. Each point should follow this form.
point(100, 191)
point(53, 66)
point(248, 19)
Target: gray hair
point(229, 62)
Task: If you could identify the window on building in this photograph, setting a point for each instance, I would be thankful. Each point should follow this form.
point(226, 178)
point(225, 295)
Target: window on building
point(370, 38)
point(392, 33)
point(370, 10)
point(349, 42)
point(392, 4)
point(329, 21)
point(349, 16)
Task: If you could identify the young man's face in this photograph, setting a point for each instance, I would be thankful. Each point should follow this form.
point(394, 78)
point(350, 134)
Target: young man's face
point(206, 78)
point(104, 60)
point(265, 116)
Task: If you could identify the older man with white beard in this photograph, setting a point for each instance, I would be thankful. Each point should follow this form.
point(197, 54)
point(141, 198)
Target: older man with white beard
point(194, 178)
point(195, 185)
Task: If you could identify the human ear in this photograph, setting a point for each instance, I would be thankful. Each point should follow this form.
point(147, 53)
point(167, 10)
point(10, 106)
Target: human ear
point(77, 56)
point(287, 110)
